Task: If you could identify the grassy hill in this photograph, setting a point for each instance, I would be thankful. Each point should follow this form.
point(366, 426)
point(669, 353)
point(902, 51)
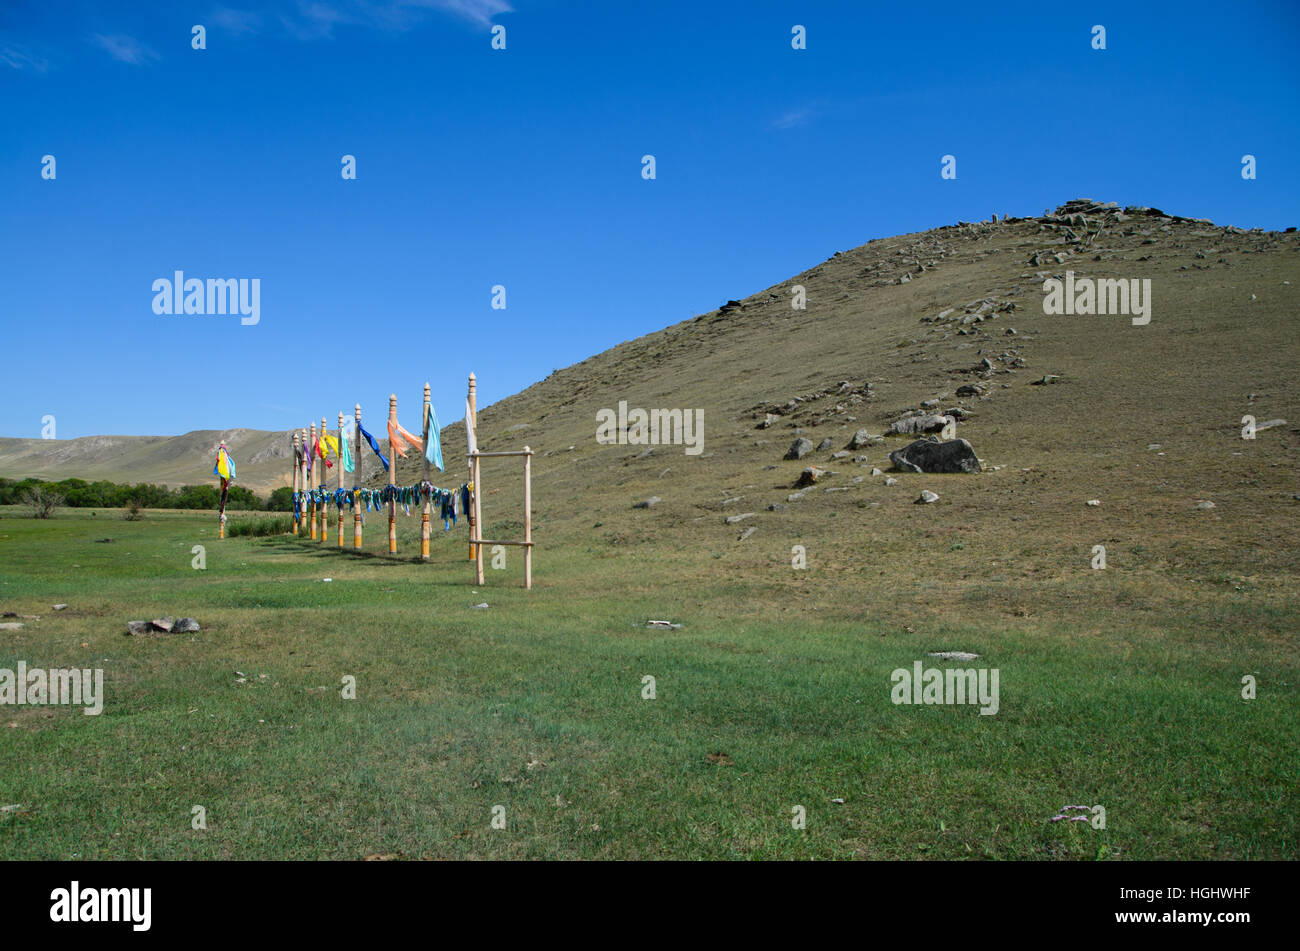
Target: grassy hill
point(1120, 687)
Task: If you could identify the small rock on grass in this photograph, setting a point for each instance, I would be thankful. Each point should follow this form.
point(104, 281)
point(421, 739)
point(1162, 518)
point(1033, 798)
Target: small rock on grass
point(952, 655)
point(663, 624)
point(1094, 502)
point(809, 476)
point(646, 503)
point(59, 607)
point(927, 497)
point(11, 626)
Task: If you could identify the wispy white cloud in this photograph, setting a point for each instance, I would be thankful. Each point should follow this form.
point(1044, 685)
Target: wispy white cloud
point(236, 21)
point(318, 19)
point(477, 11)
point(19, 58)
point(125, 48)
point(791, 118)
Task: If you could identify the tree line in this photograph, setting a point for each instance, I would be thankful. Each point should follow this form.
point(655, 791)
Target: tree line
point(78, 493)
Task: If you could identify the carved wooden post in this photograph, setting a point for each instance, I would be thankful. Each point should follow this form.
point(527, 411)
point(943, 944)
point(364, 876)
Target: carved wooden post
point(294, 479)
point(342, 436)
point(471, 422)
point(356, 482)
point(314, 467)
point(392, 480)
point(302, 480)
point(324, 484)
point(425, 508)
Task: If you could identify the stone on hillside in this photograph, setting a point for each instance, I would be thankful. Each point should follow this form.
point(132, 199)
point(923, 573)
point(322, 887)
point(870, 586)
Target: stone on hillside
point(842, 454)
point(972, 389)
point(861, 439)
point(825, 444)
point(771, 419)
point(164, 624)
point(1094, 502)
point(794, 496)
point(1048, 378)
point(186, 625)
point(646, 503)
point(747, 532)
point(930, 455)
point(139, 628)
point(733, 519)
point(915, 425)
point(953, 655)
point(59, 607)
point(891, 481)
point(809, 476)
point(799, 448)
point(1270, 424)
point(875, 471)
point(927, 497)
point(11, 626)
point(777, 507)
point(1205, 504)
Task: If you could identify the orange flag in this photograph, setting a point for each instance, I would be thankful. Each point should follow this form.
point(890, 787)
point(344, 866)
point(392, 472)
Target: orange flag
point(399, 440)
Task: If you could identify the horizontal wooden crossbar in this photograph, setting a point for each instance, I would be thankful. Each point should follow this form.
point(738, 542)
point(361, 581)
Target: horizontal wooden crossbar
point(484, 541)
point(520, 453)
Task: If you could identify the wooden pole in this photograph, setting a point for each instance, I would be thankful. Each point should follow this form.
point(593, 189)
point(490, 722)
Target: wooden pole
point(475, 503)
point(310, 479)
point(471, 420)
point(342, 436)
point(392, 480)
point(294, 479)
point(302, 481)
point(425, 508)
point(356, 482)
point(528, 517)
point(324, 485)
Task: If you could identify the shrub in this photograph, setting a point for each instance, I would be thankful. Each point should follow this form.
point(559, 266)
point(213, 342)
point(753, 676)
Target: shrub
point(42, 500)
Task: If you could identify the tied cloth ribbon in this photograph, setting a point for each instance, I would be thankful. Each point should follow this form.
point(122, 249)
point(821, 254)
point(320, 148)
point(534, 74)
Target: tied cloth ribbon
point(225, 467)
point(399, 440)
point(448, 503)
point(326, 444)
point(374, 444)
point(433, 445)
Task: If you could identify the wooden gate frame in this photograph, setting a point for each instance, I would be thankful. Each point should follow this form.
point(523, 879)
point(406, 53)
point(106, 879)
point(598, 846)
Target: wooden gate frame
point(476, 492)
point(476, 504)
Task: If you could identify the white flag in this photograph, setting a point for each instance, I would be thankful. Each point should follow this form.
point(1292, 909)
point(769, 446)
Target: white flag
point(471, 444)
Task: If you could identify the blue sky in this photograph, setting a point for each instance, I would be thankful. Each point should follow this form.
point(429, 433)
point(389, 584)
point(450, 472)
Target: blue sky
point(522, 167)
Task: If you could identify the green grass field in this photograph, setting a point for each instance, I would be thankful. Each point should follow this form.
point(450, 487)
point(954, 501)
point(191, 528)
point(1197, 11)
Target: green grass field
point(770, 696)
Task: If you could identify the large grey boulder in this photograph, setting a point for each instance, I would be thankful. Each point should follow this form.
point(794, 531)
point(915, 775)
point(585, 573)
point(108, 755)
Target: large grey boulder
point(861, 439)
point(799, 448)
point(930, 455)
point(922, 423)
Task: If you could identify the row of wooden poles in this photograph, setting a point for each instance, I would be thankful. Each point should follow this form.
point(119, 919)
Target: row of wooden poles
point(305, 481)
